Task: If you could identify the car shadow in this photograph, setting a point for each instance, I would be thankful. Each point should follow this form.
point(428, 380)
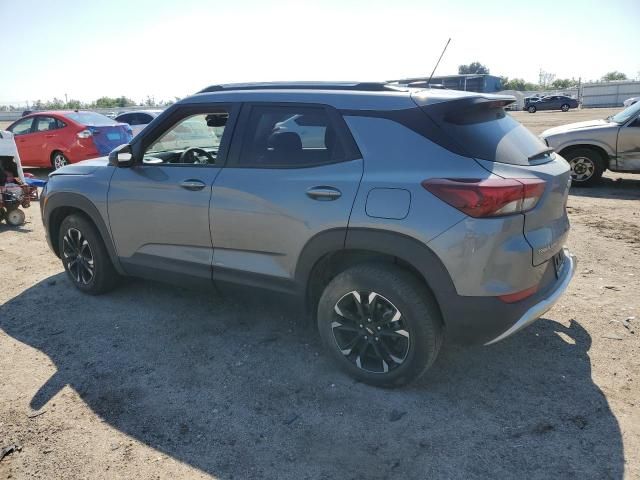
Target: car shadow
point(609, 187)
point(236, 387)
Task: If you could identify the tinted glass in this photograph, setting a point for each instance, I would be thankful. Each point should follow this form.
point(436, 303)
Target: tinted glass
point(489, 133)
point(91, 119)
point(22, 127)
point(289, 137)
point(124, 118)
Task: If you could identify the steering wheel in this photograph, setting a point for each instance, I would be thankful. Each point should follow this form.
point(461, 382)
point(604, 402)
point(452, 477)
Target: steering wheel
point(194, 154)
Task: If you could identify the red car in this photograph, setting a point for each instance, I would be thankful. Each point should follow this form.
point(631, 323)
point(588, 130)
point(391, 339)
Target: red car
point(55, 139)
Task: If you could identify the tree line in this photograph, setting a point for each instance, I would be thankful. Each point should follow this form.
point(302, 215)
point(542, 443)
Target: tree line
point(546, 81)
point(102, 102)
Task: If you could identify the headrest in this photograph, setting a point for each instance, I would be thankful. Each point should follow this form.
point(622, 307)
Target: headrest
point(285, 141)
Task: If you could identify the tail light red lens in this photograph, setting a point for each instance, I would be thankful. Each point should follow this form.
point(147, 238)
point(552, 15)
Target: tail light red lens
point(492, 197)
point(84, 134)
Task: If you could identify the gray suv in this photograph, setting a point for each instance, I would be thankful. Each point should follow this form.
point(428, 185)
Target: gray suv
point(415, 213)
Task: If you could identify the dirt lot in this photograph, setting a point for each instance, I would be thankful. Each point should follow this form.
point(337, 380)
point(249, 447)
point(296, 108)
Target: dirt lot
point(156, 382)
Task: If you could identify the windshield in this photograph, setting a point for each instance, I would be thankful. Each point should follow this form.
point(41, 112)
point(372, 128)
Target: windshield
point(91, 118)
point(626, 114)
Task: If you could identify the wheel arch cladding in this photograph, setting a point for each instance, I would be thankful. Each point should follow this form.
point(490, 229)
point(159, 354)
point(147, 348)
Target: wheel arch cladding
point(362, 244)
point(59, 205)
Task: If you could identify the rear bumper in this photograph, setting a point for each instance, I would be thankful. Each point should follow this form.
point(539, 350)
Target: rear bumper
point(542, 306)
point(483, 320)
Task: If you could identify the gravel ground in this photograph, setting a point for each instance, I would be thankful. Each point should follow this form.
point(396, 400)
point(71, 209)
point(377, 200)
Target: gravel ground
point(151, 381)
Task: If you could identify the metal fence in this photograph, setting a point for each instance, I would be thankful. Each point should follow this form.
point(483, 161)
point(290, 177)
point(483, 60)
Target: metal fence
point(610, 94)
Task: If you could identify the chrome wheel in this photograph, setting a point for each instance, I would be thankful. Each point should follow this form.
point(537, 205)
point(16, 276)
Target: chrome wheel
point(582, 169)
point(370, 331)
point(78, 256)
point(565, 108)
point(59, 161)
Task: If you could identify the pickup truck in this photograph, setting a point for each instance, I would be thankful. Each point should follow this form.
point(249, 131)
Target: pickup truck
point(594, 146)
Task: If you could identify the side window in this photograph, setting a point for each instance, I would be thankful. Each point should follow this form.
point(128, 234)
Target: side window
point(144, 118)
point(126, 118)
point(289, 137)
point(136, 119)
point(23, 126)
point(193, 140)
point(44, 124)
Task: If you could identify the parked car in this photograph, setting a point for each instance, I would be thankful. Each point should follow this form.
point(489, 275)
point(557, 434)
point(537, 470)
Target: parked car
point(552, 102)
point(597, 145)
point(137, 120)
point(630, 101)
point(529, 100)
point(57, 138)
point(408, 221)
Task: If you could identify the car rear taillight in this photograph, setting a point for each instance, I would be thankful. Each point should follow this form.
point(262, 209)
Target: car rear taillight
point(84, 134)
point(492, 197)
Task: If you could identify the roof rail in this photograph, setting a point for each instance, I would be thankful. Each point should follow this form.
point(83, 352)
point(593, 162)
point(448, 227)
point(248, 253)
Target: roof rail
point(362, 86)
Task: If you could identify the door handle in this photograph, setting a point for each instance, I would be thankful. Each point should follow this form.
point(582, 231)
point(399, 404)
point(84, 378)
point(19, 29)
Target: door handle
point(192, 185)
point(323, 193)
point(49, 136)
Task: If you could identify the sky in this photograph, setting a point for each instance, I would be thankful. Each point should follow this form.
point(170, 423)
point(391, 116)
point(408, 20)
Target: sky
point(138, 48)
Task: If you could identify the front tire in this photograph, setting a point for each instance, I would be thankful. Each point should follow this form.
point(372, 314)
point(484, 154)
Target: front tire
point(565, 107)
point(84, 256)
point(532, 109)
point(380, 324)
point(587, 167)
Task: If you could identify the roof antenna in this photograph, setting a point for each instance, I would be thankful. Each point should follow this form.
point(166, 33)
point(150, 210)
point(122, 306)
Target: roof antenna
point(438, 62)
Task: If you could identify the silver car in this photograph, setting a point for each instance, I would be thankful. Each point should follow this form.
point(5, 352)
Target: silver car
point(138, 119)
point(597, 145)
point(416, 214)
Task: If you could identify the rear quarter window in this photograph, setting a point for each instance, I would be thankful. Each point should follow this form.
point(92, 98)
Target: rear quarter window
point(492, 134)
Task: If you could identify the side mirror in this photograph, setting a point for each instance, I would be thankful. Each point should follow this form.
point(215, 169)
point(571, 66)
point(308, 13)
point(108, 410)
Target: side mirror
point(121, 156)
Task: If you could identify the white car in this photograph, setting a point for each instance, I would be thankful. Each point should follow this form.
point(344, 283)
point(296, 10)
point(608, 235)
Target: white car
point(630, 101)
point(137, 120)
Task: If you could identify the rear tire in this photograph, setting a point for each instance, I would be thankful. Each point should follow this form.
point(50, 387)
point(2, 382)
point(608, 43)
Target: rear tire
point(58, 160)
point(587, 166)
point(84, 256)
point(380, 324)
point(532, 109)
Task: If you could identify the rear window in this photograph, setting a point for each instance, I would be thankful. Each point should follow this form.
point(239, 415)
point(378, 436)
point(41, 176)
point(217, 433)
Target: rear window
point(487, 132)
point(91, 119)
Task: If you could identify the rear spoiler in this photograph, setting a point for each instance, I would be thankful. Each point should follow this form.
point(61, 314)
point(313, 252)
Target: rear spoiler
point(463, 108)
